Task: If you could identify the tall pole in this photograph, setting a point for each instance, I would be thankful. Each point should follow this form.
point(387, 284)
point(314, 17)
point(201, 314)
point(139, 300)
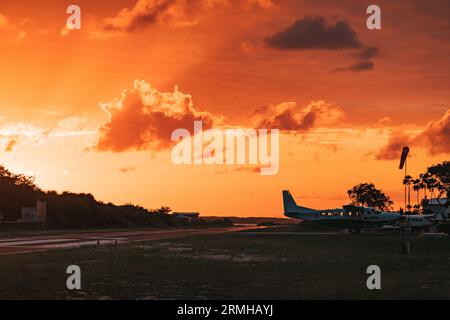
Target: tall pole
point(409, 194)
point(403, 164)
point(406, 164)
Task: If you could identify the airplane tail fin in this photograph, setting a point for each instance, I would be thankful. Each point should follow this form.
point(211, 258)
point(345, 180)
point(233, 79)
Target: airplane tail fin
point(290, 204)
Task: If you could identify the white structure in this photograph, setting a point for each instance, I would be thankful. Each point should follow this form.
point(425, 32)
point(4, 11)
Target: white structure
point(28, 214)
point(34, 214)
point(440, 207)
point(186, 215)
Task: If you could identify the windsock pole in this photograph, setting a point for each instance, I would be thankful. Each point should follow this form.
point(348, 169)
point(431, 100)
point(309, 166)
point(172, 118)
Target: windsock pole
point(406, 166)
point(405, 228)
point(403, 163)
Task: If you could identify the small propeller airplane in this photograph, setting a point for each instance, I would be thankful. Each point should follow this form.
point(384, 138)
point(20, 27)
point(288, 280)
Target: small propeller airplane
point(355, 218)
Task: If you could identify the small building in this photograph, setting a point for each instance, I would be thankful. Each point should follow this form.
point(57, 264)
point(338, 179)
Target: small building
point(28, 214)
point(186, 215)
point(437, 206)
point(34, 214)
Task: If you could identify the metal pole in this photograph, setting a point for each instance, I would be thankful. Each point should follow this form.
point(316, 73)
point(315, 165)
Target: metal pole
point(406, 164)
point(406, 237)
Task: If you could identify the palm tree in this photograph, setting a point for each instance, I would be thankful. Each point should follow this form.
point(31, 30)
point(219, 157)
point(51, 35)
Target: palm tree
point(424, 178)
point(432, 184)
point(407, 182)
point(416, 188)
point(422, 187)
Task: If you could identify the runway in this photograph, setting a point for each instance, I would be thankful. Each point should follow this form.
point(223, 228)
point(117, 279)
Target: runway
point(27, 244)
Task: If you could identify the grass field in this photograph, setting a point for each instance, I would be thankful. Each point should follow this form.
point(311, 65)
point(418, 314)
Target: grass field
point(236, 266)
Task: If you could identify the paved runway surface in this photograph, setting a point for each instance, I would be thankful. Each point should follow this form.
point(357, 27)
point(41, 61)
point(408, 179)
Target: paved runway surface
point(74, 240)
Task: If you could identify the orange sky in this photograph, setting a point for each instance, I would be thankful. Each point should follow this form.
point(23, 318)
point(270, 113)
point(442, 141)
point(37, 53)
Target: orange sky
point(343, 106)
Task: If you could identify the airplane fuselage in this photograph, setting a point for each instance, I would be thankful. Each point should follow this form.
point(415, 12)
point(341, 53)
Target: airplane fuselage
point(355, 217)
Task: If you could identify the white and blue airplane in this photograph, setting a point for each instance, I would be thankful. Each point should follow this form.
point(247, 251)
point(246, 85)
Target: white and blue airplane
point(354, 217)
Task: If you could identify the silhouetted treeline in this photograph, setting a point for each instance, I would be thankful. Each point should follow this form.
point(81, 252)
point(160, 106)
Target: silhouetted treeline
point(16, 190)
point(71, 210)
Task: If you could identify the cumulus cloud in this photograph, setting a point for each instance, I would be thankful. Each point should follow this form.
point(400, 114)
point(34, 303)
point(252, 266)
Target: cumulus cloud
point(144, 118)
point(313, 33)
point(176, 12)
point(290, 117)
point(435, 138)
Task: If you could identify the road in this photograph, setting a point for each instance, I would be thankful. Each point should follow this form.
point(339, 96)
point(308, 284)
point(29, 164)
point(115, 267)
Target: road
point(27, 244)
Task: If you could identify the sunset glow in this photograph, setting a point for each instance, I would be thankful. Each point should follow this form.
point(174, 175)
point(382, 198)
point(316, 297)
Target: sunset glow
point(93, 110)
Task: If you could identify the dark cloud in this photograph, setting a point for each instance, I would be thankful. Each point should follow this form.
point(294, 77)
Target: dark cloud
point(357, 67)
point(290, 117)
point(369, 53)
point(435, 139)
point(313, 33)
point(394, 147)
point(362, 66)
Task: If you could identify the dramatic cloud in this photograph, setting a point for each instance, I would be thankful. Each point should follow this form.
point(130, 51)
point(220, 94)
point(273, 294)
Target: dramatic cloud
point(144, 12)
point(314, 33)
point(176, 12)
point(145, 118)
point(290, 117)
point(435, 139)
point(393, 149)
